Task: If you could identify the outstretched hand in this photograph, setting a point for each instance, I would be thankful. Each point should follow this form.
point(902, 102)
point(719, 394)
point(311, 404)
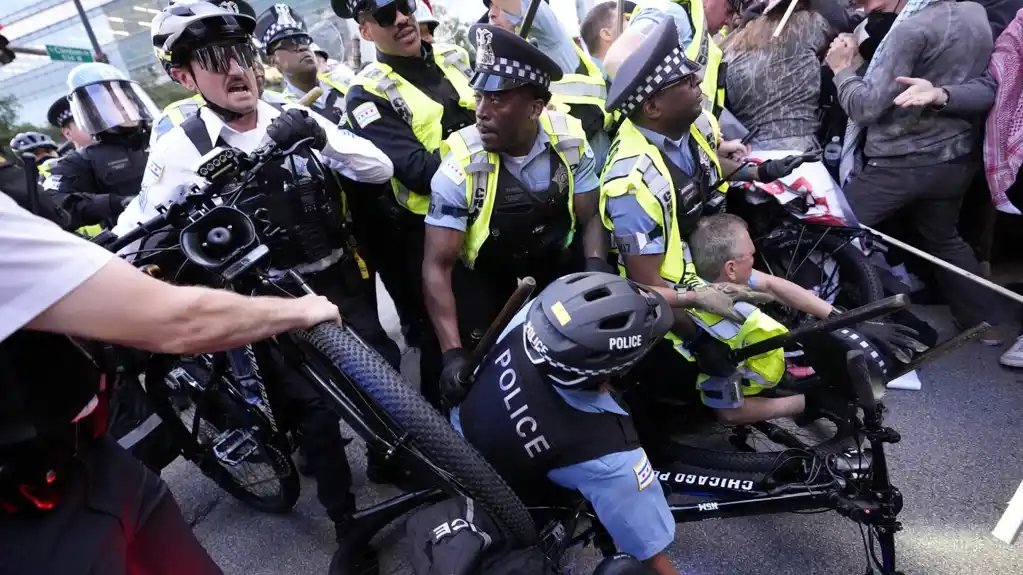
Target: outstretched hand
point(720, 299)
point(919, 93)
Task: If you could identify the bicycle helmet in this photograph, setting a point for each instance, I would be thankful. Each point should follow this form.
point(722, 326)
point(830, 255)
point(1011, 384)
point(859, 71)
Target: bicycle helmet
point(827, 355)
point(31, 141)
point(424, 15)
point(188, 24)
point(586, 327)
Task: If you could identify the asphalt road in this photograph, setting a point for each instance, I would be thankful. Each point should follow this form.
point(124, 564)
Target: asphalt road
point(959, 462)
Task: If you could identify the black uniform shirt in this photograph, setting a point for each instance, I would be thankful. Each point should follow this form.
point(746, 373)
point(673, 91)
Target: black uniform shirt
point(413, 165)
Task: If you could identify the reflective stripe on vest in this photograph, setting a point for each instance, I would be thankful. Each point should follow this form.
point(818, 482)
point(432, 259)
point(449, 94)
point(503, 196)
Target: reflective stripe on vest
point(465, 146)
point(420, 112)
point(584, 89)
point(636, 166)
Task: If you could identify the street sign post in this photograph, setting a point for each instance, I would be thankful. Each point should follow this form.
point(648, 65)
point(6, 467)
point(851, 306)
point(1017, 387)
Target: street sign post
point(69, 54)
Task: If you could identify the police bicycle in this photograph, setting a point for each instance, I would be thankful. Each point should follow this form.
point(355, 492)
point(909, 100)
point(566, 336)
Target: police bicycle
point(206, 239)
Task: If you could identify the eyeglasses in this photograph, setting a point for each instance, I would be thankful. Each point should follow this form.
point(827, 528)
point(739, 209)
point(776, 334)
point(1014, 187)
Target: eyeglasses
point(293, 44)
point(387, 15)
point(217, 58)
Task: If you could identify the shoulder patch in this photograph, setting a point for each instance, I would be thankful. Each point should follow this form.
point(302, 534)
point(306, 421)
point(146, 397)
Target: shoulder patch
point(366, 113)
point(164, 125)
point(453, 171)
point(587, 151)
point(644, 471)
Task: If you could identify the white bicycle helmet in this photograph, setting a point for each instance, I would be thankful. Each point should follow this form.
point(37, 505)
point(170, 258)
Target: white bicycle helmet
point(187, 24)
point(32, 141)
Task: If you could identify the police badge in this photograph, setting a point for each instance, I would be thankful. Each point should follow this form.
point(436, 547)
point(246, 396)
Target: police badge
point(484, 51)
point(561, 177)
point(284, 17)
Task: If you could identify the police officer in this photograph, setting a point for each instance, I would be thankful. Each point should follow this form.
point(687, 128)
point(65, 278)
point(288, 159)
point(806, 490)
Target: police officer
point(428, 23)
point(512, 193)
point(59, 115)
point(71, 500)
point(213, 49)
point(95, 182)
point(284, 36)
point(654, 190)
point(38, 144)
point(540, 409)
point(581, 91)
point(177, 112)
point(406, 102)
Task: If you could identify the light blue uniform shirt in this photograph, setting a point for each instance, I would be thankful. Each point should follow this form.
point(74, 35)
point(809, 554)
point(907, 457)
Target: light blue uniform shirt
point(638, 519)
point(653, 13)
point(552, 38)
point(633, 227)
point(447, 188)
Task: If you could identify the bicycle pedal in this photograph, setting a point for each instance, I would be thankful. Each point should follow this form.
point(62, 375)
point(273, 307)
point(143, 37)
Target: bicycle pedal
point(178, 378)
point(234, 446)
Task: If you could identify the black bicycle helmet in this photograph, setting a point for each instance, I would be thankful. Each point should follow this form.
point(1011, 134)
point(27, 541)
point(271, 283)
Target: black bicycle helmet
point(586, 327)
point(32, 141)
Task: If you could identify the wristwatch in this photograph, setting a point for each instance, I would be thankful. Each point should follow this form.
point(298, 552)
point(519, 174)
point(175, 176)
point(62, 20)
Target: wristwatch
point(947, 98)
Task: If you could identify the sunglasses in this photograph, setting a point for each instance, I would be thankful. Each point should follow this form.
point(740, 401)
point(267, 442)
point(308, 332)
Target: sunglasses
point(387, 15)
point(293, 44)
point(217, 58)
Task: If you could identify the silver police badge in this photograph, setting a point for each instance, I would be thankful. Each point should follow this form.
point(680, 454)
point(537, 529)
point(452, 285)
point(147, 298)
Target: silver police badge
point(284, 17)
point(484, 51)
point(561, 177)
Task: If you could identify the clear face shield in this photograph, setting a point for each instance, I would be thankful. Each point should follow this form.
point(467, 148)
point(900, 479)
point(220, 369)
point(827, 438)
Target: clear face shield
point(111, 105)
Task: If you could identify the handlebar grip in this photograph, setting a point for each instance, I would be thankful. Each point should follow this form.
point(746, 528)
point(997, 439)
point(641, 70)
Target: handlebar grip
point(136, 234)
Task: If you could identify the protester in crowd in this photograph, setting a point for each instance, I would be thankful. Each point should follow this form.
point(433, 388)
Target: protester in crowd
point(911, 160)
point(773, 84)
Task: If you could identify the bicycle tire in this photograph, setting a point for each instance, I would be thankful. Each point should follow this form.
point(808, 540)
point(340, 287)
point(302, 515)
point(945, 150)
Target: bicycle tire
point(430, 432)
point(848, 258)
point(278, 458)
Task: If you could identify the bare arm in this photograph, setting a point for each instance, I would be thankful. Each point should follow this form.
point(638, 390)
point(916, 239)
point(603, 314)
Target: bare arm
point(587, 215)
point(646, 270)
point(793, 295)
point(122, 305)
point(441, 249)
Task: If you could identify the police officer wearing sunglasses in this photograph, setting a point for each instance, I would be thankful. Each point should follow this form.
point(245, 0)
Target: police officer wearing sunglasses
point(406, 102)
point(284, 35)
point(212, 47)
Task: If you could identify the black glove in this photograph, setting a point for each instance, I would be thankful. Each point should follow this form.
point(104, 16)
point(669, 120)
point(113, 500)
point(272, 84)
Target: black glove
point(452, 389)
point(712, 356)
point(599, 265)
point(895, 338)
point(294, 125)
point(772, 170)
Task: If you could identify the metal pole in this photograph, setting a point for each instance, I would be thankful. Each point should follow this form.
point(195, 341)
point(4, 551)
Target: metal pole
point(943, 264)
point(620, 24)
point(28, 50)
point(100, 56)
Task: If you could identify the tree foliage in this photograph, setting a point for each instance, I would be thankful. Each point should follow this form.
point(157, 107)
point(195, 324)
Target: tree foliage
point(165, 93)
point(452, 29)
point(10, 127)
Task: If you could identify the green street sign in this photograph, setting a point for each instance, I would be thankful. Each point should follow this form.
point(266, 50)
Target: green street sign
point(69, 54)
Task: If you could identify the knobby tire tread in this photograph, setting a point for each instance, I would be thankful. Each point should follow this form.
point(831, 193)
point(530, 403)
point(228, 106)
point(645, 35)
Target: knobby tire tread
point(430, 431)
point(847, 256)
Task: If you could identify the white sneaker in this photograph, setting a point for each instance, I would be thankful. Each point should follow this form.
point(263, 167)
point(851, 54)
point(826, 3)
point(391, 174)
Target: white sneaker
point(1013, 357)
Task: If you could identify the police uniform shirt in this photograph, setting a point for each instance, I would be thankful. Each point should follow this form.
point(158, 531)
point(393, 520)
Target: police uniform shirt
point(533, 170)
point(379, 123)
point(39, 265)
point(633, 226)
point(174, 160)
point(294, 92)
point(653, 13)
point(622, 487)
point(552, 39)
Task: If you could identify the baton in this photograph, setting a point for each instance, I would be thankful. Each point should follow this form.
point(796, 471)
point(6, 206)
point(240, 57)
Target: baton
point(846, 319)
point(31, 182)
point(519, 297)
point(311, 96)
point(943, 264)
point(620, 24)
point(527, 22)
